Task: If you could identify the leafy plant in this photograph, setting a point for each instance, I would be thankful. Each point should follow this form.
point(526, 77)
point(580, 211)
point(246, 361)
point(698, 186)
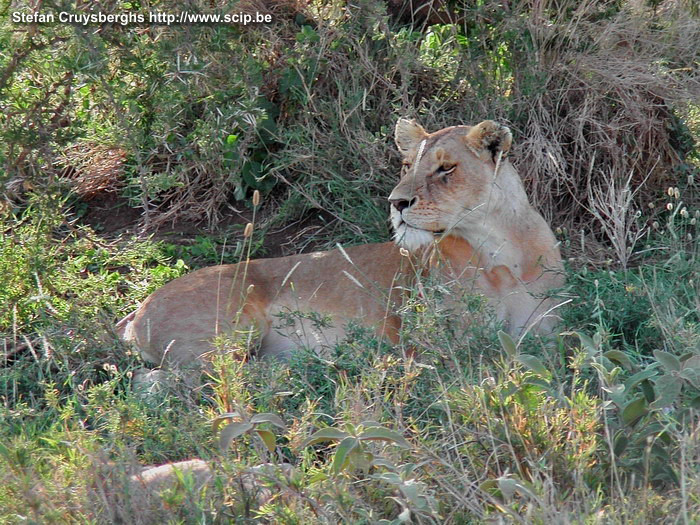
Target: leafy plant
point(651, 403)
point(247, 423)
point(413, 495)
point(351, 451)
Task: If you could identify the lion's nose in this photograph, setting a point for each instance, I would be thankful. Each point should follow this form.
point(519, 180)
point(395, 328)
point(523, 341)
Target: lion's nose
point(402, 204)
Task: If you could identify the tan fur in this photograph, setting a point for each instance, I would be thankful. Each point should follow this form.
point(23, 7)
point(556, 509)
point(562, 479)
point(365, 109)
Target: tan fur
point(459, 208)
point(146, 496)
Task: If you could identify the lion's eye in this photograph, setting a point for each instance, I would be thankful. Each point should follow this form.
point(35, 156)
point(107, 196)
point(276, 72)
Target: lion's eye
point(446, 169)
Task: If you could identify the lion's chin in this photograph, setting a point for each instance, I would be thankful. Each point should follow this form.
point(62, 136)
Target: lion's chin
point(412, 238)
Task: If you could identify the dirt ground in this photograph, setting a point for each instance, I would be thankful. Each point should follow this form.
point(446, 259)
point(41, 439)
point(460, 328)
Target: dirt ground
point(110, 215)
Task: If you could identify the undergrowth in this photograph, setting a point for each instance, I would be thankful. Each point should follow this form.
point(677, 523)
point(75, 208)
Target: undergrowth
point(599, 425)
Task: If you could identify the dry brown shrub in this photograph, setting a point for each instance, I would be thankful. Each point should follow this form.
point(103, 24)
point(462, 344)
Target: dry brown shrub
point(422, 11)
point(277, 8)
point(609, 109)
point(93, 169)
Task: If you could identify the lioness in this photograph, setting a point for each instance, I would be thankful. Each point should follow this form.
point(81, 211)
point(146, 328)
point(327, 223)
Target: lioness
point(459, 209)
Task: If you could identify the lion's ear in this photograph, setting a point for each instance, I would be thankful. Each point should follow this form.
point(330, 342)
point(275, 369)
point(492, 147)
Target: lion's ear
point(489, 136)
point(408, 135)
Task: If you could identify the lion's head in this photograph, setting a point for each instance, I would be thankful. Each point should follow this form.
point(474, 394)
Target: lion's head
point(450, 180)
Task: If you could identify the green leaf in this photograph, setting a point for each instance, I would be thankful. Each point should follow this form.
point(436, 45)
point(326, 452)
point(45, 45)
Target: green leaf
point(239, 193)
point(383, 462)
point(318, 477)
point(268, 438)
point(619, 357)
point(405, 516)
point(542, 384)
point(360, 459)
point(691, 370)
point(529, 396)
point(597, 339)
point(667, 389)
point(384, 434)
point(620, 443)
point(534, 364)
point(669, 361)
point(508, 487)
point(617, 394)
point(216, 423)
point(634, 411)
point(232, 431)
point(490, 486)
point(637, 378)
point(692, 376)
point(509, 389)
point(602, 371)
point(660, 452)
point(268, 417)
point(325, 434)
point(507, 344)
point(389, 477)
point(587, 343)
point(412, 492)
point(341, 453)
point(664, 472)
point(648, 391)
point(695, 403)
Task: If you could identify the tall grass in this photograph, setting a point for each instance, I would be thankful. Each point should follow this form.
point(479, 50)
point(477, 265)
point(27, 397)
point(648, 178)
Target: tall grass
point(599, 427)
